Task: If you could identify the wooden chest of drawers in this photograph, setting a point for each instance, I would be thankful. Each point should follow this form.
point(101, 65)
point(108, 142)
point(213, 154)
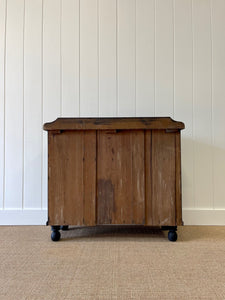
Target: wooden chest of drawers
point(114, 171)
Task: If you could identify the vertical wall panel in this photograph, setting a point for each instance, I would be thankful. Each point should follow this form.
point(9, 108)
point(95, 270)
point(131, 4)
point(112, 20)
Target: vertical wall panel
point(2, 97)
point(70, 58)
point(183, 92)
point(32, 104)
point(145, 66)
point(202, 114)
point(51, 60)
point(89, 58)
point(126, 57)
point(14, 105)
point(218, 93)
point(51, 75)
point(107, 58)
point(110, 58)
point(164, 41)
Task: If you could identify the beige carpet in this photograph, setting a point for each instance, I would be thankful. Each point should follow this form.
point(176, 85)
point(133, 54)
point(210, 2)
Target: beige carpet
point(107, 263)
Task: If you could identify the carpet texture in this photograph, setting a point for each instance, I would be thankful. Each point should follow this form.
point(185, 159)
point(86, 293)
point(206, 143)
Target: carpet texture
point(112, 263)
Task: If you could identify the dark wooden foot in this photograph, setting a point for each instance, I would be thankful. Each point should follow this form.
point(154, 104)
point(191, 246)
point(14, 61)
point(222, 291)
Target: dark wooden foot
point(55, 236)
point(64, 227)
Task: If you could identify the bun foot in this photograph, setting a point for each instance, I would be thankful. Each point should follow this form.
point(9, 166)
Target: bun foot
point(55, 236)
point(172, 236)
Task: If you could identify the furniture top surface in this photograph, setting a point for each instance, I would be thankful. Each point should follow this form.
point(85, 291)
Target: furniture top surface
point(113, 123)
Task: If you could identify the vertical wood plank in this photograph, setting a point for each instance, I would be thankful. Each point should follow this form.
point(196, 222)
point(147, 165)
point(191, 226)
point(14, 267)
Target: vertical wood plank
point(126, 57)
point(138, 176)
point(122, 177)
point(14, 105)
point(148, 178)
point(89, 58)
point(119, 166)
point(163, 178)
point(107, 58)
point(73, 192)
point(2, 98)
point(202, 104)
point(33, 104)
point(70, 58)
point(54, 204)
point(51, 76)
point(145, 52)
point(105, 189)
point(72, 179)
point(89, 178)
point(178, 196)
point(66, 178)
point(164, 62)
point(218, 104)
point(183, 92)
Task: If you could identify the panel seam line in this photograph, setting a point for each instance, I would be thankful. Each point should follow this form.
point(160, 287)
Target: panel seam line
point(23, 159)
point(6, 13)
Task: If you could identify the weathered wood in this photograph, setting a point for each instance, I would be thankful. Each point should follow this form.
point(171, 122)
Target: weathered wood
point(116, 175)
point(105, 188)
point(89, 178)
point(148, 177)
point(163, 178)
point(121, 177)
point(71, 178)
point(113, 123)
point(178, 181)
point(138, 176)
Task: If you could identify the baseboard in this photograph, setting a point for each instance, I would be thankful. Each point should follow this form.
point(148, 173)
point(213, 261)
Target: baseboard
point(23, 217)
point(198, 216)
point(39, 217)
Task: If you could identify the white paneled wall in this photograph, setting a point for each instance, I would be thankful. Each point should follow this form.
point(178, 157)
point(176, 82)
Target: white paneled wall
point(218, 100)
point(14, 105)
point(145, 58)
point(2, 100)
point(183, 92)
point(70, 57)
point(32, 102)
point(107, 24)
point(111, 58)
point(164, 58)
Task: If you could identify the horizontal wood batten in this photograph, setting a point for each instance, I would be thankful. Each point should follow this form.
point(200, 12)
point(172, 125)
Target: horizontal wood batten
point(113, 123)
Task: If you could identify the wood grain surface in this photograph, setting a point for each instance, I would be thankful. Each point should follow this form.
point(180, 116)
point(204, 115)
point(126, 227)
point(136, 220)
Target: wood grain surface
point(120, 177)
point(148, 177)
point(115, 176)
point(113, 123)
point(178, 195)
point(163, 178)
point(72, 171)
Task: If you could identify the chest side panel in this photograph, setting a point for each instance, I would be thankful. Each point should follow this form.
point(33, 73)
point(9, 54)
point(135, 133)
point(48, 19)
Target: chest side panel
point(163, 177)
point(72, 178)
